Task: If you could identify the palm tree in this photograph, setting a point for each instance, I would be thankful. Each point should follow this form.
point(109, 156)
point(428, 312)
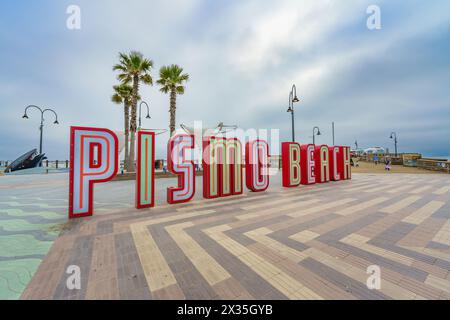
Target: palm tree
point(122, 94)
point(133, 68)
point(171, 79)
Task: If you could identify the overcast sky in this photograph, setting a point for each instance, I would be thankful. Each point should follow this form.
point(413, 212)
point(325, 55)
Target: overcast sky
point(242, 57)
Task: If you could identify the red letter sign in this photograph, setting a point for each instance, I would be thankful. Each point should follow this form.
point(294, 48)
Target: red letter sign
point(290, 158)
point(222, 167)
point(308, 164)
point(345, 168)
point(322, 164)
point(93, 159)
point(257, 165)
point(145, 170)
point(177, 164)
point(334, 164)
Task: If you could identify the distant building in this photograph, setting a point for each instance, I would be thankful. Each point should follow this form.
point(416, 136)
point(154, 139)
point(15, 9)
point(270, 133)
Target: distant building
point(375, 150)
point(357, 152)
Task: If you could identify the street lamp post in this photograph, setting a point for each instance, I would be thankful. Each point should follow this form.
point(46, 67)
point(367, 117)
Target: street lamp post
point(314, 134)
point(292, 99)
point(148, 113)
point(394, 136)
point(332, 132)
point(41, 127)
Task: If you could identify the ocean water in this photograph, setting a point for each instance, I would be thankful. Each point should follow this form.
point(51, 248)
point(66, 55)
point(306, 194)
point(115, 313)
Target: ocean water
point(438, 157)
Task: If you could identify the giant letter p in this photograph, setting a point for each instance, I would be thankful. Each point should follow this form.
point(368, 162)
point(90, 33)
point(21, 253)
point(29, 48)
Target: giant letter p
point(93, 159)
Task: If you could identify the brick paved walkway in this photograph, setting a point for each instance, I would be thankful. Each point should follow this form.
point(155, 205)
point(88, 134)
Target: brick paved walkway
point(312, 242)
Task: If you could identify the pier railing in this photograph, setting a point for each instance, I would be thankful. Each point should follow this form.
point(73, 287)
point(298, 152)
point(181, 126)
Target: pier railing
point(275, 161)
point(412, 160)
point(434, 164)
point(52, 164)
point(381, 158)
point(60, 164)
point(442, 165)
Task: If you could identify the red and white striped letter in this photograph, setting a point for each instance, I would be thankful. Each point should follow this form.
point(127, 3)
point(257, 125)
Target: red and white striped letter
point(222, 167)
point(145, 170)
point(334, 163)
point(345, 168)
point(290, 158)
point(322, 164)
point(179, 165)
point(308, 164)
point(257, 165)
point(93, 159)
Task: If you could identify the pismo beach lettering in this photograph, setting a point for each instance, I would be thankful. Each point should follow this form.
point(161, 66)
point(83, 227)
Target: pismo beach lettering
point(94, 159)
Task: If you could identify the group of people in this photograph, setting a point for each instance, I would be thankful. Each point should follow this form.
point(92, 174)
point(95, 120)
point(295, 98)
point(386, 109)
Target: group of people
point(387, 162)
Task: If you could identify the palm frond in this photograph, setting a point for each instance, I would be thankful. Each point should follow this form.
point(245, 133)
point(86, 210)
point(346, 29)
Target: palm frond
point(146, 65)
point(184, 77)
point(123, 91)
point(119, 67)
point(179, 90)
point(124, 58)
point(116, 98)
point(147, 79)
point(130, 67)
point(172, 76)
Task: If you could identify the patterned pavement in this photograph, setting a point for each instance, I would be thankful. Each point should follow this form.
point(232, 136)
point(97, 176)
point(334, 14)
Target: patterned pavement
point(311, 242)
point(33, 210)
point(29, 219)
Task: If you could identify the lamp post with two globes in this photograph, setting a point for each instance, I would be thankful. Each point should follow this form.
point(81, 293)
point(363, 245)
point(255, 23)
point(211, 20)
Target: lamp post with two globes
point(293, 99)
point(41, 127)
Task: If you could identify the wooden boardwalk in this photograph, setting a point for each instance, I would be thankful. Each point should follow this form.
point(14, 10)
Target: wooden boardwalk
point(312, 242)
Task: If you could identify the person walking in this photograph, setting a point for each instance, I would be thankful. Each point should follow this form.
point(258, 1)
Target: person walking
point(388, 164)
point(376, 159)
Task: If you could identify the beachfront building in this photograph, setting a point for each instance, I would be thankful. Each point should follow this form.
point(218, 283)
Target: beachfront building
point(357, 152)
point(375, 150)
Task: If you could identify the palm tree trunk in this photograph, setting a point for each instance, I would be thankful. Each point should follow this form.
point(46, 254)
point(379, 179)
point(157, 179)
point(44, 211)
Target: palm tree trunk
point(172, 110)
point(133, 126)
point(126, 109)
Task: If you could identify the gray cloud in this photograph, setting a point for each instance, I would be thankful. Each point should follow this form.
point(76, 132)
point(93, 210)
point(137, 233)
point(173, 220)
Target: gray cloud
point(242, 57)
